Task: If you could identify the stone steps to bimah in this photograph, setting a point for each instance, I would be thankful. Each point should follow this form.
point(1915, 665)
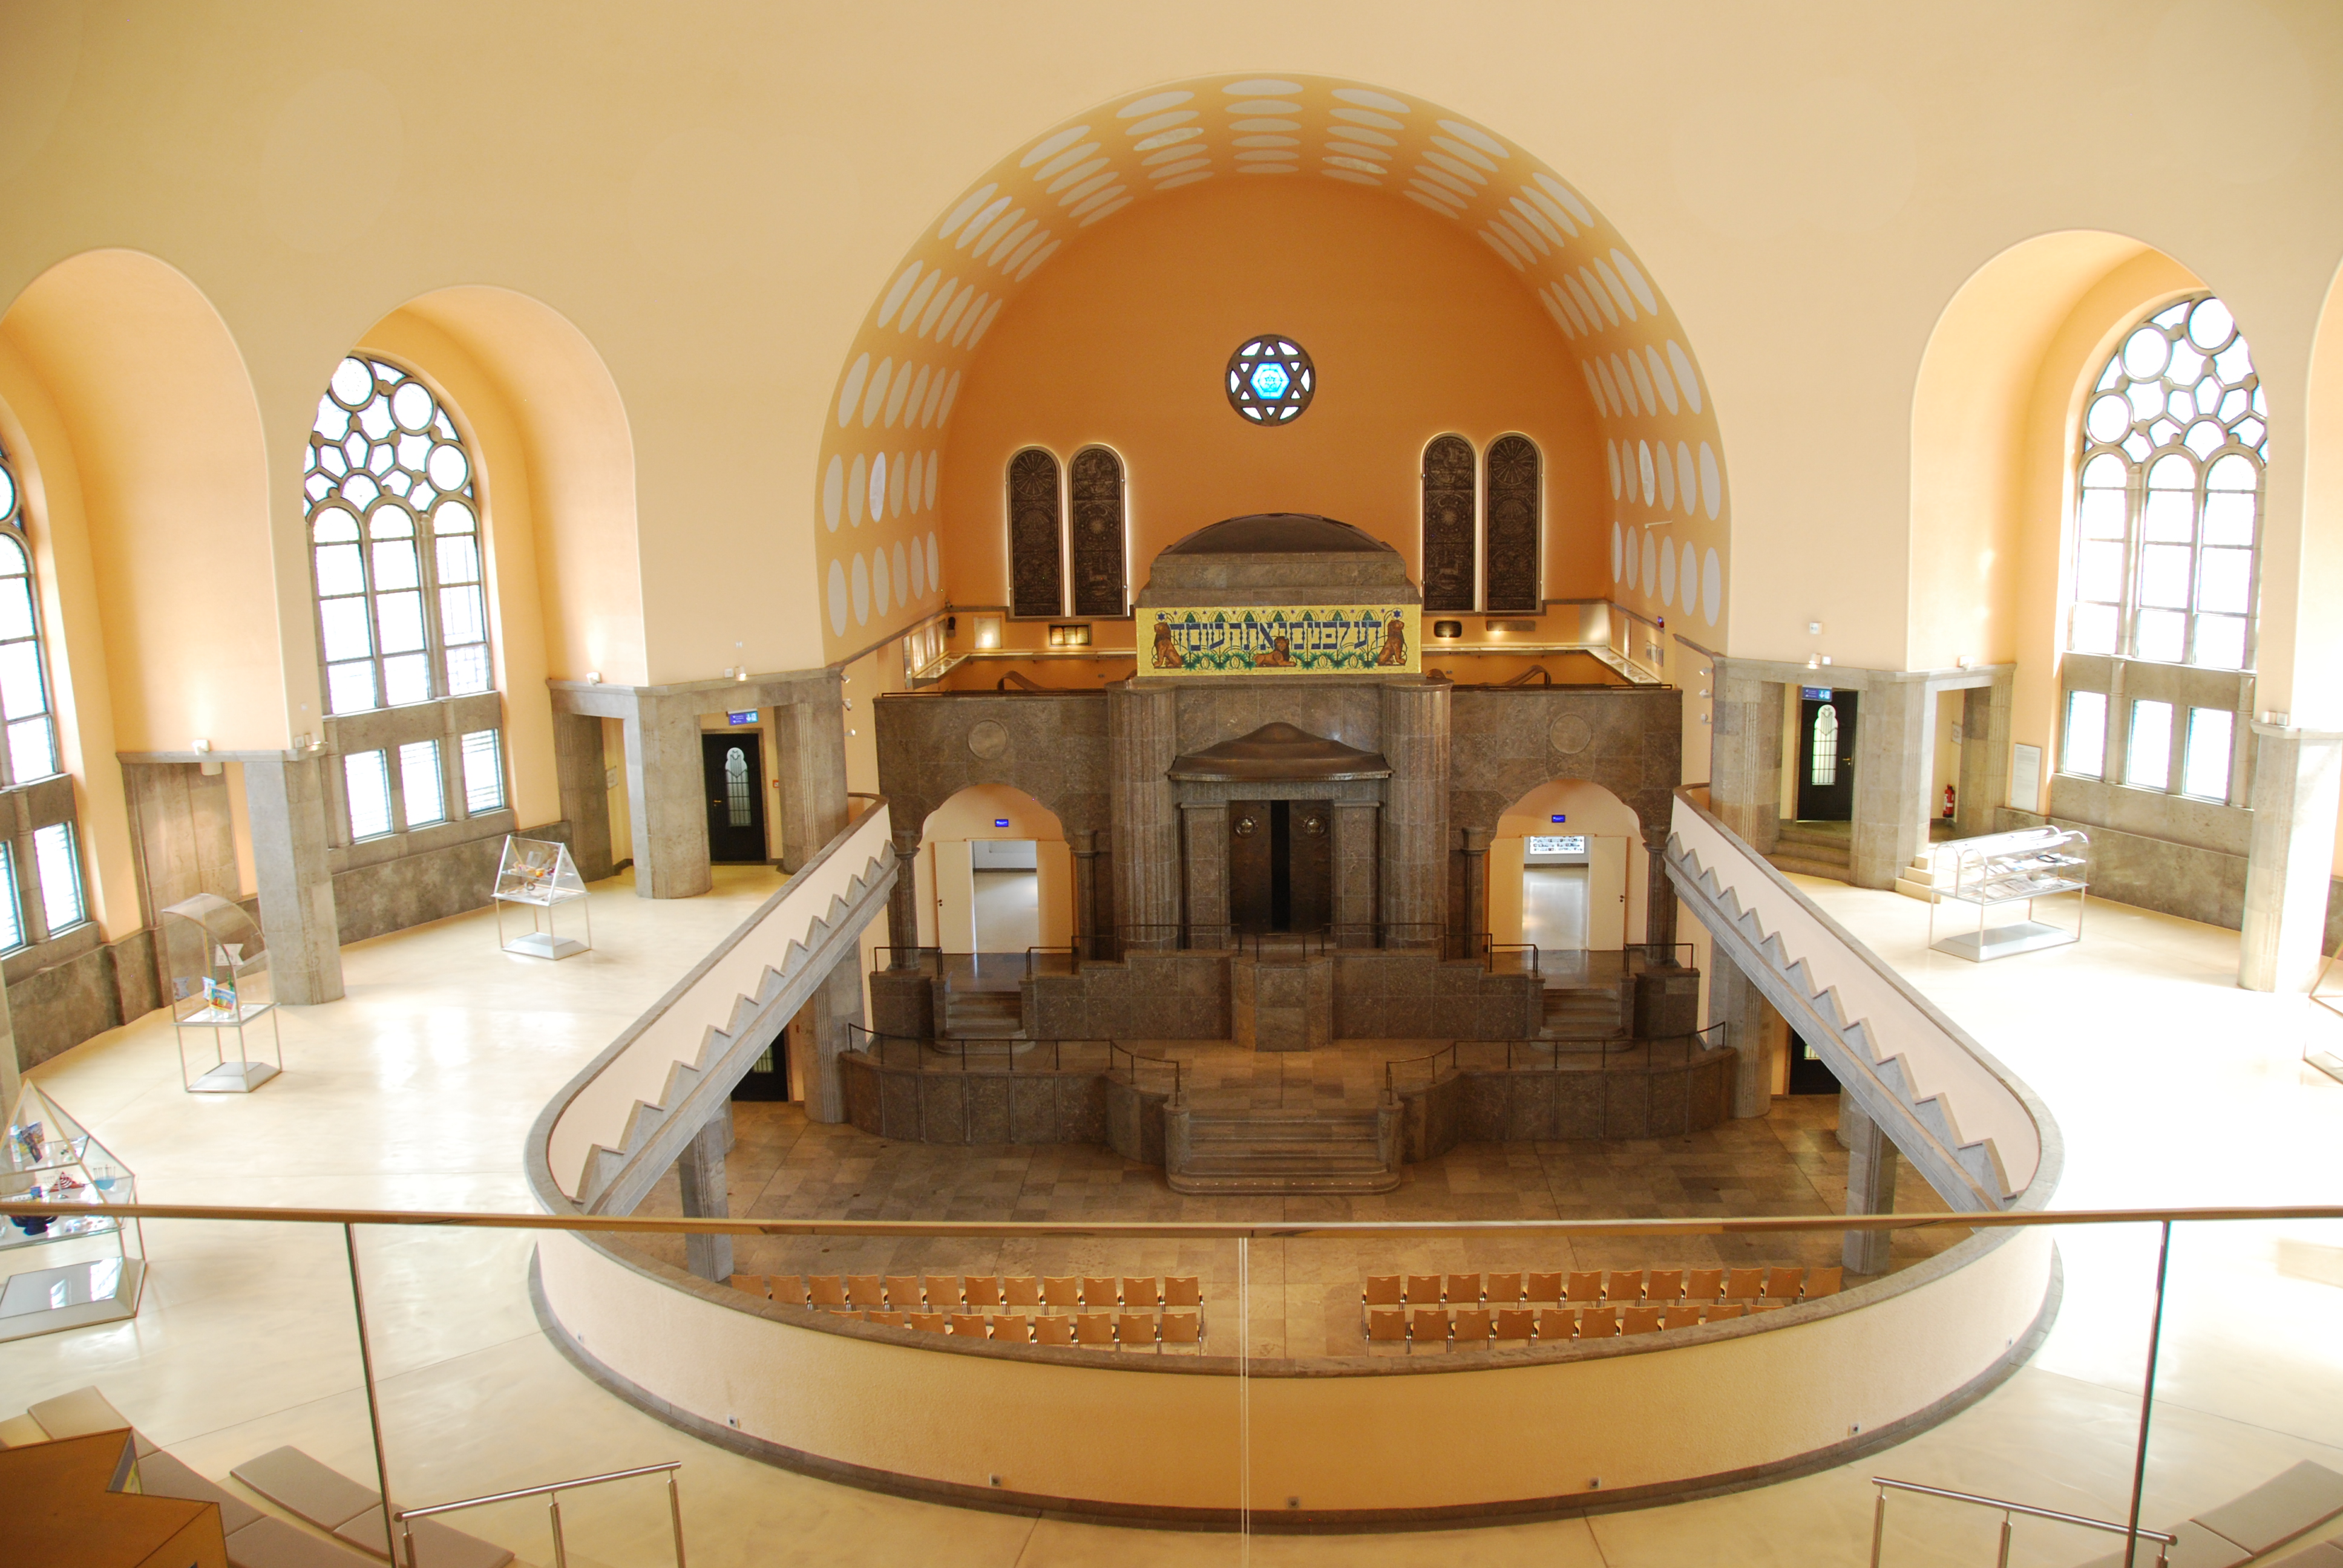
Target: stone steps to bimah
point(984, 1014)
point(1266, 1154)
point(1582, 1014)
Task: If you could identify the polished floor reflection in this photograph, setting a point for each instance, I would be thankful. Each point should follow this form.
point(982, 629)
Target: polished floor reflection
point(2170, 1085)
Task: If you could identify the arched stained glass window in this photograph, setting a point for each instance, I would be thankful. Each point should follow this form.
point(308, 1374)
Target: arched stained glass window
point(24, 672)
point(1448, 531)
point(395, 544)
point(2167, 526)
point(1036, 567)
point(1101, 588)
point(1510, 553)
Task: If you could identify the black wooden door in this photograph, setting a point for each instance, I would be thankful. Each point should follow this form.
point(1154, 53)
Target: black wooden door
point(1826, 760)
point(1252, 864)
point(770, 1079)
point(735, 777)
point(1309, 862)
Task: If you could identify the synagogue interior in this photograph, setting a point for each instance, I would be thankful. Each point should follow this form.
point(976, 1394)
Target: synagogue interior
point(1045, 786)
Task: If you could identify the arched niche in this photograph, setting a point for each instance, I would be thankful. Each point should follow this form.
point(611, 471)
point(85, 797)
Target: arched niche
point(1613, 876)
point(946, 870)
point(994, 316)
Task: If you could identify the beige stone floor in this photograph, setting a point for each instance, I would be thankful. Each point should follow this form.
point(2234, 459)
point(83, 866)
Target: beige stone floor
point(2169, 1083)
point(1305, 1298)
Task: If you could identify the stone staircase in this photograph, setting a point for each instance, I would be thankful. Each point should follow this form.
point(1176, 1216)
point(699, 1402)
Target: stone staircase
point(984, 1014)
point(1585, 1012)
point(1814, 849)
point(1270, 1153)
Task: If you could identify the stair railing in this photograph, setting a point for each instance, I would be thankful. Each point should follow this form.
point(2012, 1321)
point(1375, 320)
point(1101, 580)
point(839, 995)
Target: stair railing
point(1431, 1073)
point(1123, 1052)
point(2164, 1544)
point(552, 1495)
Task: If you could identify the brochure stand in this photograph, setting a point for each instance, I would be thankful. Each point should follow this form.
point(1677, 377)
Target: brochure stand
point(539, 874)
point(64, 1270)
point(220, 989)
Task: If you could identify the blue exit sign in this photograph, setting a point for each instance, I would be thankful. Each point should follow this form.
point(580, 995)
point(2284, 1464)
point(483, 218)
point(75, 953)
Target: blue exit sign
point(746, 716)
point(1558, 817)
point(1000, 822)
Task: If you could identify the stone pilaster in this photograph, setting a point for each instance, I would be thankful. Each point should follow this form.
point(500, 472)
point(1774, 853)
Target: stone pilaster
point(286, 800)
point(902, 903)
point(1736, 1003)
point(1870, 1189)
point(1476, 886)
point(1895, 732)
point(2289, 859)
point(1083, 841)
point(1355, 853)
point(1660, 897)
point(578, 773)
point(836, 1004)
point(666, 785)
point(1204, 827)
point(1744, 774)
point(700, 1174)
point(809, 762)
point(1415, 812)
point(1142, 738)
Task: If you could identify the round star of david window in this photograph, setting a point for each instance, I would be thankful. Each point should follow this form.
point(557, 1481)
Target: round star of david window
point(1271, 380)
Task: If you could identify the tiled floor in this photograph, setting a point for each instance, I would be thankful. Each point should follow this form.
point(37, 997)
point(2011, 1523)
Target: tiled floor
point(1305, 1294)
point(2169, 1084)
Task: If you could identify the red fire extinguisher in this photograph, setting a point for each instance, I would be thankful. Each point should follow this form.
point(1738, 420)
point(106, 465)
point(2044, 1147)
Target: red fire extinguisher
point(1948, 800)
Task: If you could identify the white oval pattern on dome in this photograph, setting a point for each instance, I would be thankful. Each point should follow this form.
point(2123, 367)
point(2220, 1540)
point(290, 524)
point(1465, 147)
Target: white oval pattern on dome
point(880, 582)
point(935, 462)
point(1154, 122)
point(855, 491)
point(1171, 184)
point(1687, 479)
point(1644, 394)
point(1476, 137)
point(851, 393)
point(837, 606)
point(1712, 586)
point(895, 486)
point(1616, 564)
point(1691, 572)
point(1611, 451)
point(1662, 381)
point(1643, 468)
point(935, 560)
point(1637, 284)
point(894, 300)
point(878, 487)
point(911, 486)
point(918, 301)
point(1367, 98)
point(1712, 483)
point(1151, 103)
point(967, 208)
point(1667, 479)
point(833, 491)
point(1651, 565)
point(1632, 557)
point(1681, 363)
point(952, 391)
point(876, 392)
point(895, 397)
point(1349, 173)
point(919, 564)
point(1052, 144)
point(981, 221)
point(1065, 161)
point(1667, 575)
point(1618, 289)
point(1261, 87)
point(861, 584)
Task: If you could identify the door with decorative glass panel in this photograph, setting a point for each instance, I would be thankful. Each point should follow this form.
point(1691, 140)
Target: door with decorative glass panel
point(733, 766)
point(1825, 755)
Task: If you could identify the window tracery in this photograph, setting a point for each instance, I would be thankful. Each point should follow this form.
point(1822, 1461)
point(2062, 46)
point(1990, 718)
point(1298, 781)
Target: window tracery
point(1511, 550)
point(1448, 531)
point(1037, 586)
point(1102, 586)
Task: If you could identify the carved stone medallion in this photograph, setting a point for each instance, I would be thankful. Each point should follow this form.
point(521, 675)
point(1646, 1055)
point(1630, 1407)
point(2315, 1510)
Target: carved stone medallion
point(1571, 735)
point(988, 741)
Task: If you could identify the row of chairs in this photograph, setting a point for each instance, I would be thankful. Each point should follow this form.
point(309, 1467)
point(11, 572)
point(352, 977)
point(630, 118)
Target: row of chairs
point(1480, 1327)
point(978, 1292)
point(1618, 1288)
point(1101, 1330)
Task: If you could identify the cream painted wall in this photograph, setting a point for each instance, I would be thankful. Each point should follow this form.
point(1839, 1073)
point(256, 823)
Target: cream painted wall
point(1415, 327)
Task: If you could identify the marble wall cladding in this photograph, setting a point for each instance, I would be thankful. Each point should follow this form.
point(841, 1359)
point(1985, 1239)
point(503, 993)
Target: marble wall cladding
point(1057, 751)
point(1399, 995)
point(1134, 1122)
point(1667, 1005)
point(1148, 996)
point(1281, 1006)
point(578, 770)
point(1357, 847)
point(430, 885)
point(1142, 739)
point(101, 987)
point(1211, 711)
point(2184, 879)
point(1506, 743)
point(1041, 1107)
point(903, 1002)
point(183, 835)
point(1544, 1106)
point(1417, 720)
point(2151, 814)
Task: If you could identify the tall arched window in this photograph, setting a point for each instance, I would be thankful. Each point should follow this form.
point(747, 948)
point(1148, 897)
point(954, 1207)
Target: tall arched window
point(1101, 588)
point(1510, 552)
point(1448, 531)
point(41, 892)
point(1036, 569)
point(395, 542)
point(2169, 522)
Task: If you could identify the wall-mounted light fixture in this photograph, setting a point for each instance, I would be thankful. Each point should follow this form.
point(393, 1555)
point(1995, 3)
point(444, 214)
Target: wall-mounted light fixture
point(593, 678)
point(988, 632)
point(1075, 635)
point(1448, 630)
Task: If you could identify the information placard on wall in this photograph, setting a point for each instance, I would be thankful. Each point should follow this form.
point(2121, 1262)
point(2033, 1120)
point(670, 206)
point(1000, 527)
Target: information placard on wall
point(2025, 777)
point(1278, 639)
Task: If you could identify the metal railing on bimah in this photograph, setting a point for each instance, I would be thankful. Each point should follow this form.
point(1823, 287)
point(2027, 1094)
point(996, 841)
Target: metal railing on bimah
point(953, 1053)
point(552, 1495)
point(1429, 1061)
point(1523, 959)
point(1284, 947)
point(1122, 1053)
point(2164, 1544)
point(1052, 960)
point(1662, 955)
point(599, 1231)
point(1667, 1053)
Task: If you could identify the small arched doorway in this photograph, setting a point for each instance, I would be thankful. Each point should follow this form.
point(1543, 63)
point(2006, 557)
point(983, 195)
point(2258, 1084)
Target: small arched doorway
point(994, 876)
point(1568, 873)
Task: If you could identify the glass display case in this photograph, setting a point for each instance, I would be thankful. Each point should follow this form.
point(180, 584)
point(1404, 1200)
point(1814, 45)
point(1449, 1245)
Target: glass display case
point(538, 875)
point(2011, 869)
point(220, 991)
point(64, 1270)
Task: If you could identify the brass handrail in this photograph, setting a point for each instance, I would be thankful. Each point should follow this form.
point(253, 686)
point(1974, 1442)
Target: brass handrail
point(1879, 1518)
point(1189, 1229)
point(553, 1490)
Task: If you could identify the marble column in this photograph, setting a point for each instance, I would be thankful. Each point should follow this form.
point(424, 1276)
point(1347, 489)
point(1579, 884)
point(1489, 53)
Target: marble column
point(1204, 828)
point(2289, 859)
point(578, 771)
point(1660, 897)
point(701, 1174)
point(1414, 880)
point(286, 802)
point(1083, 841)
point(1871, 1161)
point(1142, 739)
point(1734, 1002)
point(1744, 774)
point(1356, 835)
point(1896, 726)
point(902, 903)
point(810, 763)
point(1476, 886)
point(836, 1003)
point(665, 788)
